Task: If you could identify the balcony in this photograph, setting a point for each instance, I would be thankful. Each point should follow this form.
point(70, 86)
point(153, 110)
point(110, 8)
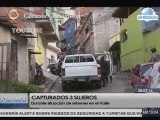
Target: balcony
point(86, 22)
point(47, 26)
point(90, 33)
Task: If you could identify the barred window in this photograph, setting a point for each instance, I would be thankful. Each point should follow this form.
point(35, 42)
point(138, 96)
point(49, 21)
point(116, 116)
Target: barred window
point(124, 35)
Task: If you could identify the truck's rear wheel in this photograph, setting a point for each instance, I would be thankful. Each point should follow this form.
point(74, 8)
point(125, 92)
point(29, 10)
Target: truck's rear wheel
point(65, 86)
point(98, 84)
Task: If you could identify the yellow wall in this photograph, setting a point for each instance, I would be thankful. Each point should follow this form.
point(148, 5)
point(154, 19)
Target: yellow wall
point(40, 48)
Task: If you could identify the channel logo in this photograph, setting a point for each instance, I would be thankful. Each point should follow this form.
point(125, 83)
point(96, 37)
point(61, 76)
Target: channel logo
point(147, 14)
point(13, 14)
point(14, 101)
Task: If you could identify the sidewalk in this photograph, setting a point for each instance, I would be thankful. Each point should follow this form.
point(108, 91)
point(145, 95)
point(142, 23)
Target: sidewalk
point(50, 81)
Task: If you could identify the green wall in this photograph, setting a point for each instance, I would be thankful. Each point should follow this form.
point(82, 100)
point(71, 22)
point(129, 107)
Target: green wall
point(137, 47)
point(151, 39)
point(131, 49)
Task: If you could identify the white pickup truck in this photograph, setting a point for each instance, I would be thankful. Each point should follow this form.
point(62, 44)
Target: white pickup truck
point(80, 68)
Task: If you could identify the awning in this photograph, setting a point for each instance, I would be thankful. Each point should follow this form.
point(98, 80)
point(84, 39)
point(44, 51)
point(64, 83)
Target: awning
point(114, 38)
point(26, 35)
point(48, 30)
point(124, 12)
point(54, 48)
point(45, 24)
point(115, 46)
point(114, 42)
point(51, 37)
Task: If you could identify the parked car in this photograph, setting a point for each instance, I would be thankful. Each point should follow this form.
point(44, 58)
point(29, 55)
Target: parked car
point(80, 68)
point(141, 74)
point(154, 81)
point(53, 68)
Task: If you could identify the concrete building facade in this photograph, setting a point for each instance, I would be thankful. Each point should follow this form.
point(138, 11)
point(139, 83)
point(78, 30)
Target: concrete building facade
point(137, 38)
point(69, 35)
point(52, 53)
point(104, 26)
point(20, 49)
point(14, 47)
point(101, 26)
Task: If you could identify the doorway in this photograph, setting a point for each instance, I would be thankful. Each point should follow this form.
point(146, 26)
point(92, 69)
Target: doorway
point(4, 66)
point(13, 60)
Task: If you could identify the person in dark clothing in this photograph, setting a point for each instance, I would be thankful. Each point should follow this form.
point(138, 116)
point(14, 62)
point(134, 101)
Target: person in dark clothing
point(59, 67)
point(102, 63)
point(105, 70)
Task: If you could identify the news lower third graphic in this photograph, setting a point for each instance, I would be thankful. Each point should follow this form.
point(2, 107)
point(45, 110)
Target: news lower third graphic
point(80, 104)
point(150, 112)
point(13, 101)
point(94, 101)
point(71, 113)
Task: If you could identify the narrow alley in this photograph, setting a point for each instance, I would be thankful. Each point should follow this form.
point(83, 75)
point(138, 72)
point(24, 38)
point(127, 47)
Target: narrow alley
point(121, 84)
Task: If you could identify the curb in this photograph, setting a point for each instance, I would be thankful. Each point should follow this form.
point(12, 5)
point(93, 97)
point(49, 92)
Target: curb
point(51, 85)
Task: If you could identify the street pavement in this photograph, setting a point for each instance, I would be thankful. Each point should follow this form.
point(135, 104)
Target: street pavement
point(50, 81)
point(121, 83)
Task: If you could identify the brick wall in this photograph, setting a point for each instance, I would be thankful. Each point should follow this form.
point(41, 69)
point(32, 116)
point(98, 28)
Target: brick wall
point(104, 28)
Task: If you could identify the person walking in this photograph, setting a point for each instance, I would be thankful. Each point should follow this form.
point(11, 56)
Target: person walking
point(155, 55)
point(105, 70)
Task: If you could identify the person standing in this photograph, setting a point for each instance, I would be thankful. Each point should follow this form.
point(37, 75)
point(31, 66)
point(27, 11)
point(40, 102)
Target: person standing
point(59, 67)
point(108, 71)
point(155, 55)
point(105, 70)
point(102, 63)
